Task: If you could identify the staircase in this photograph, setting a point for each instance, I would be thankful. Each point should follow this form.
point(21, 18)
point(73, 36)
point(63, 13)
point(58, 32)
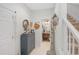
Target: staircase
point(73, 41)
point(74, 22)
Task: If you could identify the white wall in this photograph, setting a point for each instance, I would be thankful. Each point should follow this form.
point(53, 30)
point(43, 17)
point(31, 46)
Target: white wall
point(73, 10)
point(22, 12)
point(42, 14)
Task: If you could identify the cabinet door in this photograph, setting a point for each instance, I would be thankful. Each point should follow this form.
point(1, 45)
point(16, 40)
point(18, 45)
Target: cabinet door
point(29, 43)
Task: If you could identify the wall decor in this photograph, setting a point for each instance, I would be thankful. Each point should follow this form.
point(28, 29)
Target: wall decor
point(36, 26)
point(55, 20)
point(26, 25)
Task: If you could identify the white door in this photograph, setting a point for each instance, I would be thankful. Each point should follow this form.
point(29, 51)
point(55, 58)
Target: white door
point(7, 41)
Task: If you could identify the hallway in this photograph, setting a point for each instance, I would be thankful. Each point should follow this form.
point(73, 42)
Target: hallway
point(42, 50)
point(24, 27)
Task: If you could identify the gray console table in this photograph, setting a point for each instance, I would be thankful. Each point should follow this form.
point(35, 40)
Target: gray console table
point(27, 43)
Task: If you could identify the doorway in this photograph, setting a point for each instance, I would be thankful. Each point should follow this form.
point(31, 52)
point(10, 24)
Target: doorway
point(43, 39)
point(7, 39)
point(46, 30)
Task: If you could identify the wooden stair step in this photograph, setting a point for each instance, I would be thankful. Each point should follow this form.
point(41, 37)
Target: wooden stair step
point(72, 20)
point(75, 23)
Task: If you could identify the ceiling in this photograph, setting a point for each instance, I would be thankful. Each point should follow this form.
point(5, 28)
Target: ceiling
point(76, 4)
point(38, 6)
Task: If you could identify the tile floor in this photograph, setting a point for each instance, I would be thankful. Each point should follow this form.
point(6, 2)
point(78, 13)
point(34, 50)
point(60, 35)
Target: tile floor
point(42, 50)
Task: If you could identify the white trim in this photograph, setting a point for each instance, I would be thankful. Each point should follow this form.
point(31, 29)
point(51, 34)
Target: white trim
point(71, 27)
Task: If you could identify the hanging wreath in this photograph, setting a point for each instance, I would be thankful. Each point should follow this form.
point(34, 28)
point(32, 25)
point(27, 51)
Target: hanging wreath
point(25, 24)
point(55, 20)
